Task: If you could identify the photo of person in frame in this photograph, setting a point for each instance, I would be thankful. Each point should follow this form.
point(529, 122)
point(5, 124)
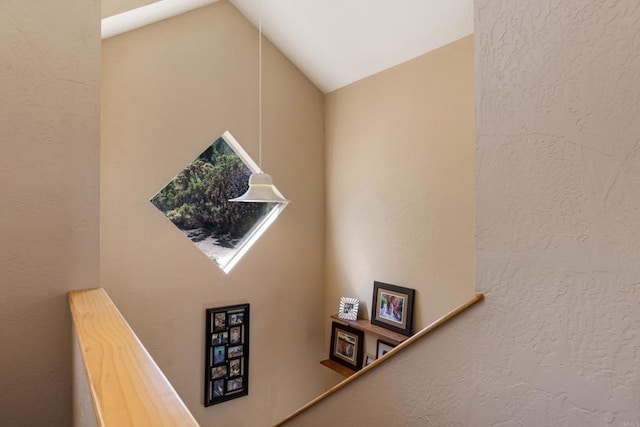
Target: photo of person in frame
point(234, 368)
point(345, 345)
point(220, 338)
point(391, 307)
point(348, 307)
point(218, 354)
point(220, 321)
point(236, 335)
point(236, 319)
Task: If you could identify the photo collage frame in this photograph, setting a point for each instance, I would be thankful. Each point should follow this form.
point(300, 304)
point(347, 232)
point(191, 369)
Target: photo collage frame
point(226, 374)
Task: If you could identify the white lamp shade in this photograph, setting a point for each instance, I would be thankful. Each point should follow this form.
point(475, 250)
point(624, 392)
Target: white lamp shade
point(261, 189)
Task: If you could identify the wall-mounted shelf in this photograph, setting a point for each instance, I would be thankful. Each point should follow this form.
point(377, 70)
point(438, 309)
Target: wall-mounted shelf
point(366, 326)
point(341, 369)
point(386, 335)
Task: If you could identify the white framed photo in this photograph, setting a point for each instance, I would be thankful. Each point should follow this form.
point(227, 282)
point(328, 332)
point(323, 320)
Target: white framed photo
point(348, 308)
point(383, 348)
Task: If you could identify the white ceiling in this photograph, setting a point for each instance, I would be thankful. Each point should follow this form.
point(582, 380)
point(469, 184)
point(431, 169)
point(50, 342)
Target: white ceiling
point(333, 42)
point(337, 42)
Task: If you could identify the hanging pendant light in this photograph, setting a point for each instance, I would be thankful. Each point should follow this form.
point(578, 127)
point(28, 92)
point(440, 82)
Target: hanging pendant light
point(261, 188)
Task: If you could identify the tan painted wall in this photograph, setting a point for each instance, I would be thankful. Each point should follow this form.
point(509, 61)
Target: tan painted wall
point(49, 221)
point(400, 184)
point(169, 90)
point(556, 342)
point(114, 7)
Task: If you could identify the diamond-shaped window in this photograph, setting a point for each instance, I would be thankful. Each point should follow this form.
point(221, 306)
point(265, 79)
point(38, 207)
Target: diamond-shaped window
point(197, 202)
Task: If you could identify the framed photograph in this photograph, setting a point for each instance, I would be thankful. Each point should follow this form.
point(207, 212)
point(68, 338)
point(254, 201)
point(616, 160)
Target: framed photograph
point(219, 371)
point(236, 319)
point(368, 358)
point(383, 348)
point(220, 338)
point(220, 322)
point(226, 374)
point(234, 385)
point(236, 335)
point(218, 388)
point(235, 367)
point(392, 307)
point(218, 355)
point(348, 308)
point(235, 351)
point(346, 346)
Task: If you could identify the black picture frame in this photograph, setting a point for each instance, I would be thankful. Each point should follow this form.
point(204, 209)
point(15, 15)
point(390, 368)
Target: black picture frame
point(347, 346)
point(383, 348)
point(392, 307)
point(226, 373)
point(368, 359)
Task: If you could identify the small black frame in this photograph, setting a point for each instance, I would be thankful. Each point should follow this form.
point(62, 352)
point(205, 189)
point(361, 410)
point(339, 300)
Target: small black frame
point(226, 367)
point(347, 345)
point(383, 348)
point(392, 307)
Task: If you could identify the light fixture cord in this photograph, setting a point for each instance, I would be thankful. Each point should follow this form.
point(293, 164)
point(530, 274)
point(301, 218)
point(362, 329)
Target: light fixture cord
point(260, 84)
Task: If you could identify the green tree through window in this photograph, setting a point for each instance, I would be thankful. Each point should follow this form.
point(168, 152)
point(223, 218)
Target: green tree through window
point(197, 202)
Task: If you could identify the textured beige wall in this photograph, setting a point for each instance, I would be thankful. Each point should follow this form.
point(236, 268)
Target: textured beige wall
point(400, 192)
point(556, 343)
point(49, 147)
point(114, 7)
point(169, 90)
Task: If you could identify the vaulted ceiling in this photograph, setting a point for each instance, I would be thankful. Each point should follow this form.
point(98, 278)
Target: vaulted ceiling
point(337, 42)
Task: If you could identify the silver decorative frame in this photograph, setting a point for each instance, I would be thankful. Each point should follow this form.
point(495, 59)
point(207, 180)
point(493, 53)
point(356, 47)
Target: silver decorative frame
point(348, 308)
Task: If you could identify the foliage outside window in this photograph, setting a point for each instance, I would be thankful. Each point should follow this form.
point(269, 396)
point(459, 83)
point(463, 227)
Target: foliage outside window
point(197, 202)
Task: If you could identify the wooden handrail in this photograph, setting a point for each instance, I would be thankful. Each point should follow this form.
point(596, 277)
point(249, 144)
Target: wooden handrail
point(387, 356)
point(127, 388)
